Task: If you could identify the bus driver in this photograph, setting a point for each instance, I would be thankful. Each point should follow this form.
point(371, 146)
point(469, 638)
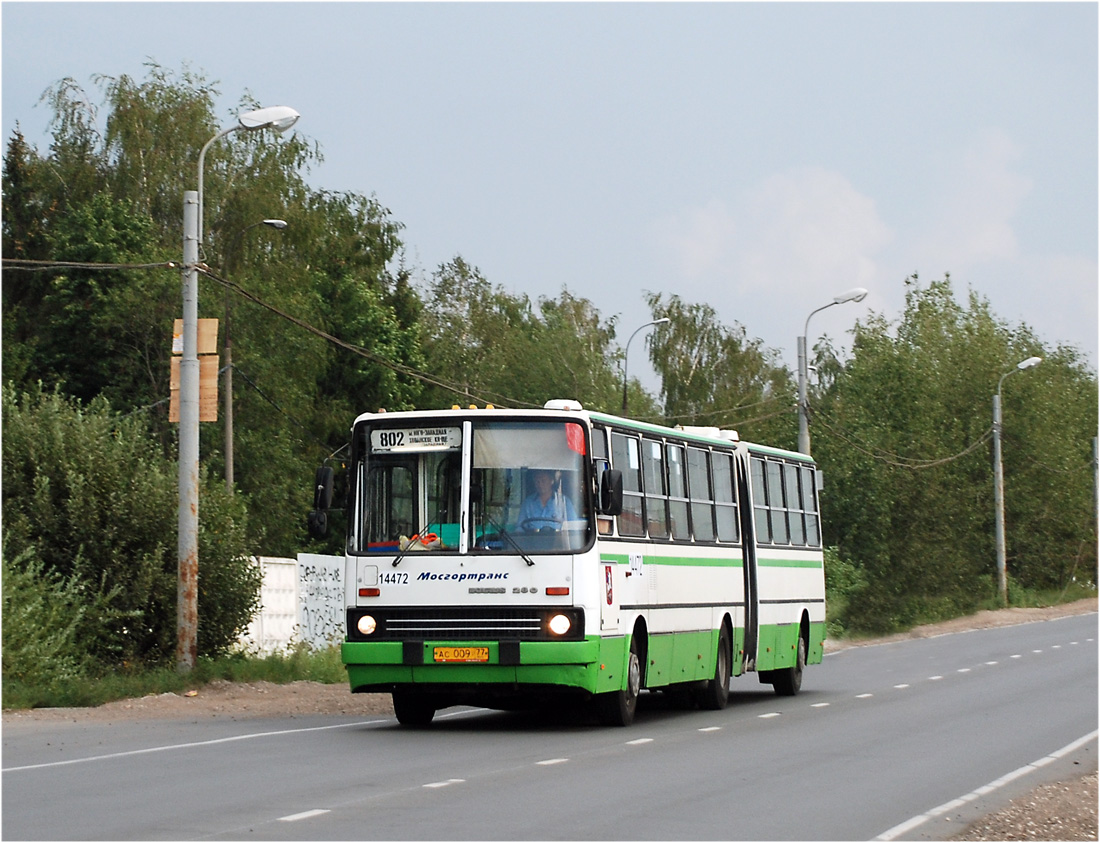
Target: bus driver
point(547, 507)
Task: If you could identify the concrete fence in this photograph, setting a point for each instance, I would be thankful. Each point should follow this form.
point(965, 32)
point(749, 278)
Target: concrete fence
point(301, 601)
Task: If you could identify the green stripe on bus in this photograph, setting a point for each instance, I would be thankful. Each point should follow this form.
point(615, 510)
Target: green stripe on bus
point(674, 561)
point(814, 563)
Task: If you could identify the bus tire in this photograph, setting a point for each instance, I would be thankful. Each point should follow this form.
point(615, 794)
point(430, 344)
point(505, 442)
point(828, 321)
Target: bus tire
point(789, 681)
point(412, 709)
point(618, 708)
point(716, 693)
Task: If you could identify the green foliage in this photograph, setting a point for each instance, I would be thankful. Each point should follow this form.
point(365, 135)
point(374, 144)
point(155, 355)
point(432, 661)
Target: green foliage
point(844, 584)
point(90, 495)
point(42, 614)
point(484, 345)
point(714, 375)
point(902, 433)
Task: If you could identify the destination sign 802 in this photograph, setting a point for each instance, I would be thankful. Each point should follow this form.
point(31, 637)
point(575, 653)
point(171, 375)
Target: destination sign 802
point(416, 439)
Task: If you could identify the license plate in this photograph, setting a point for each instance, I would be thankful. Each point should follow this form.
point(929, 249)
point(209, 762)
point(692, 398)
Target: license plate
point(461, 654)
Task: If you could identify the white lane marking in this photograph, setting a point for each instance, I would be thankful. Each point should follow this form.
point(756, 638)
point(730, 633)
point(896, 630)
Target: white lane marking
point(195, 744)
point(905, 827)
point(1017, 656)
point(308, 814)
point(964, 669)
point(711, 728)
point(820, 705)
point(638, 742)
point(935, 677)
point(900, 686)
point(552, 762)
point(768, 715)
point(991, 663)
point(865, 695)
point(439, 784)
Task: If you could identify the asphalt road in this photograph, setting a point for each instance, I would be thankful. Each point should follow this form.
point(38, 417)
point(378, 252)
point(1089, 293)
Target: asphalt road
point(900, 740)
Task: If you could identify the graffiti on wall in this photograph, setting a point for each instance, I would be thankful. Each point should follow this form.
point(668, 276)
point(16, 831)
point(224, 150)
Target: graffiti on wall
point(320, 599)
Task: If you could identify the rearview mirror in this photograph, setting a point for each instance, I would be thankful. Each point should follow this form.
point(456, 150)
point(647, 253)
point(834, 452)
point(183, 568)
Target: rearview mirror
point(317, 522)
point(611, 492)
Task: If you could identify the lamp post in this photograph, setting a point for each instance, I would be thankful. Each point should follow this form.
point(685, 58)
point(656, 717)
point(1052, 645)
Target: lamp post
point(855, 294)
point(999, 480)
point(626, 353)
point(279, 225)
point(279, 118)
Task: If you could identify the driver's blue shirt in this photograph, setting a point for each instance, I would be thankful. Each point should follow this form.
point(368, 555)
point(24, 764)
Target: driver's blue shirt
point(549, 515)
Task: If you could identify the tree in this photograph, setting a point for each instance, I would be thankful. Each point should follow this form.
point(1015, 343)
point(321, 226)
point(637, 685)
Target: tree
point(484, 344)
point(903, 436)
point(714, 375)
point(89, 495)
point(116, 196)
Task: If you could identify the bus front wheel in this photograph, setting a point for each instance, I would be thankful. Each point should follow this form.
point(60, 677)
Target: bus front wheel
point(412, 709)
point(618, 708)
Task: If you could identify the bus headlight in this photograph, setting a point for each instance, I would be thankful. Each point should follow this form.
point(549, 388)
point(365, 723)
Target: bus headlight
point(560, 624)
point(366, 624)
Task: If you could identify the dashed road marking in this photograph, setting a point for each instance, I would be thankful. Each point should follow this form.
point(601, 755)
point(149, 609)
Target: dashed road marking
point(441, 784)
point(308, 814)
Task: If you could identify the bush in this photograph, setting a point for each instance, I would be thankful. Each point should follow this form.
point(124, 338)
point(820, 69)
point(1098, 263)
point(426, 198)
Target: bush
point(91, 495)
point(42, 612)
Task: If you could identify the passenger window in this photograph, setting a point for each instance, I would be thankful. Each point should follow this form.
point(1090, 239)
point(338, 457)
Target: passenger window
point(702, 497)
point(725, 498)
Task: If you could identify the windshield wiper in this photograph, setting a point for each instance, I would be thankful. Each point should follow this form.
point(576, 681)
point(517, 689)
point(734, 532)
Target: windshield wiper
point(409, 545)
point(508, 536)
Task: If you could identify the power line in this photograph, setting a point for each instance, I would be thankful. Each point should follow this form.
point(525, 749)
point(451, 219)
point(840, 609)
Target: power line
point(893, 458)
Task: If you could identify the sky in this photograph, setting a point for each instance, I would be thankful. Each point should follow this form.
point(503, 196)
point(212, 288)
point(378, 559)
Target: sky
point(760, 158)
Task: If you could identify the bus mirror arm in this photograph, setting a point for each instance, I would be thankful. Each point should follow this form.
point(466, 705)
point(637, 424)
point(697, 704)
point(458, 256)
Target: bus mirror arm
point(611, 492)
point(317, 522)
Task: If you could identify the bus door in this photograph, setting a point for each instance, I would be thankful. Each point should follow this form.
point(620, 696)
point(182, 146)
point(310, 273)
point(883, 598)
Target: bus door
point(748, 553)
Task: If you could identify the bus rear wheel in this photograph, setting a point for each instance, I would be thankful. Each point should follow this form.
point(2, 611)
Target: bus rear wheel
point(412, 709)
point(789, 681)
point(716, 693)
point(618, 708)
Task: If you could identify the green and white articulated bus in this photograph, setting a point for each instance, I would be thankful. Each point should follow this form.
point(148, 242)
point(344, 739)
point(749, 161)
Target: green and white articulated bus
point(497, 557)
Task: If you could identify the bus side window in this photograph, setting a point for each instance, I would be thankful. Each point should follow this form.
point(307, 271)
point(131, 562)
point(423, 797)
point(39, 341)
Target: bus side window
point(794, 504)
point(626, 458)
point(677, 493)
point(760, 502)
point(702, 497)
point(725, 499)
point(777, 507)
point(809, 506)
point(656, 495)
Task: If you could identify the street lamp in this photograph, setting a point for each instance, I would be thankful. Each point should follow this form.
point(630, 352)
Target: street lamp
point(999, 480)
point(280, 118)
point(278, 225)
point(626, 353)
point(856, 294)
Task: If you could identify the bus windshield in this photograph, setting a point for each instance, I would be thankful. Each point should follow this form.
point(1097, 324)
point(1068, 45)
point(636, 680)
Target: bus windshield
point(524, 490)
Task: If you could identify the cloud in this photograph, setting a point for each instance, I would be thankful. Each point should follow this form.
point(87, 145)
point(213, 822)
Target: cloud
point(971, 224)
point(796, 231)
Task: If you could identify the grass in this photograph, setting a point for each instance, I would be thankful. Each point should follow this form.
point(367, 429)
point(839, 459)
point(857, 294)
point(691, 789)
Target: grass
point(301, 664)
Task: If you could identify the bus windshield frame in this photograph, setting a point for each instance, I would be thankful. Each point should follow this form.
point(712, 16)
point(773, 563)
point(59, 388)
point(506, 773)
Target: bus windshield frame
point(493, 486)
